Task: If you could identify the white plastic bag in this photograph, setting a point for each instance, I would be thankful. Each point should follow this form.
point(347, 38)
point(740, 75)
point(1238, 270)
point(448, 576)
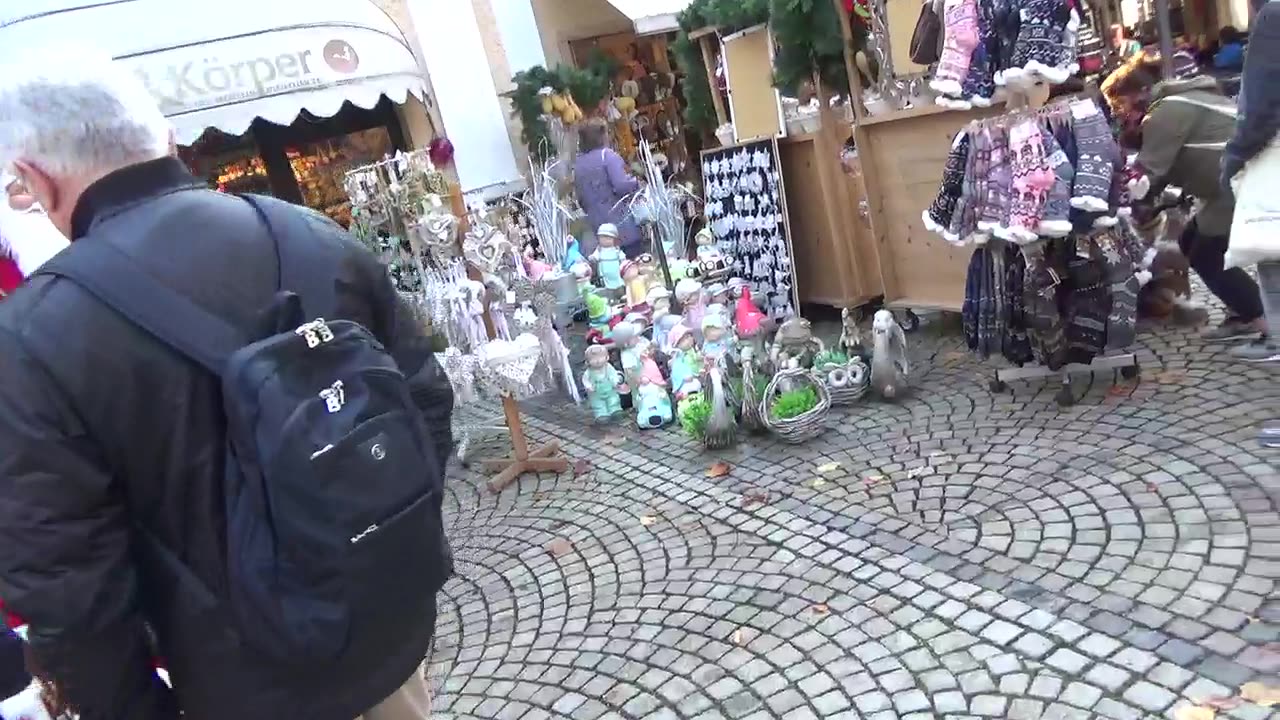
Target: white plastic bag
point(1255, 227)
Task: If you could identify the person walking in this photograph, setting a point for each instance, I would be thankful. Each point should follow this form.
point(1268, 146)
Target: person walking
point(1256, 146)
point(1183, 135)
point(603, 185)
point(193, 464)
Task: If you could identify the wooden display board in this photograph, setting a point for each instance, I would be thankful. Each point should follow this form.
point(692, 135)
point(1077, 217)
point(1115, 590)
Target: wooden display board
point(755, 107)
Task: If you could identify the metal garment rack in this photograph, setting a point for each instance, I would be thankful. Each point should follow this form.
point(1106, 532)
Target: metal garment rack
point(1126, 363)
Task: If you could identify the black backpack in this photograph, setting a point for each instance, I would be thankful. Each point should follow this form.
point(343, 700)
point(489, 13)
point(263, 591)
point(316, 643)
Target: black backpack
point(334, 541)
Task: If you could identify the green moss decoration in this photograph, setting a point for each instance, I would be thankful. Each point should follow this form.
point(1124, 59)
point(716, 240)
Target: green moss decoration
point(830, 357)
point(694, 412)
point(793, 404)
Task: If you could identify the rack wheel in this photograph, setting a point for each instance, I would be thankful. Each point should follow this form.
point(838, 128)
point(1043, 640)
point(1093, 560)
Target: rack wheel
point(1064, 397)
point(1130, 372)
point(997, 385)
point(912, 321)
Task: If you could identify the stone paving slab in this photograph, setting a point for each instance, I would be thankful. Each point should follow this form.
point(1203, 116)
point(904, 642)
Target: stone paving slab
point(972, 555)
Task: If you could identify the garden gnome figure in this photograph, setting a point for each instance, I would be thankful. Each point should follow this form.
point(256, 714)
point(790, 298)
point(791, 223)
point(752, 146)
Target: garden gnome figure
point(602, 382)
point(609, 257)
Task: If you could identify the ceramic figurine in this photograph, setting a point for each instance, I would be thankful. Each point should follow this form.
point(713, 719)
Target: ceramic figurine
point(581, 272)
point(598, 312)
point(626, 337)
point(653, 406)
point(662, 327)
point(572, 254)
point(637, 285)
point(850, 337)
point(602, 382)
point(609, 257)
point(689, 295)
point(717, 342)
point(686, 362)
point(717, 294)
point(659, 301)
point(649, 370)
point(794, 343)
point(889, 357)
point(706, 242)
point(533, 266)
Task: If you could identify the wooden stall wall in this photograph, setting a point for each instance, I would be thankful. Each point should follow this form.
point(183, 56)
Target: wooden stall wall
point(903, 158)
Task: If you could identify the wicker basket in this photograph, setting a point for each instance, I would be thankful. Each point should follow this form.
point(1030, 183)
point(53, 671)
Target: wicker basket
point(801, 428)
point(856, 381)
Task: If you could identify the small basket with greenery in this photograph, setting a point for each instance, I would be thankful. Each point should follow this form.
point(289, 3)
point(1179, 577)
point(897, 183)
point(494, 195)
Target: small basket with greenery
point(799, 412)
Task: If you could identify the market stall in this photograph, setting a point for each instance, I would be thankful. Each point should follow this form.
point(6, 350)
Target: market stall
point(834, 256)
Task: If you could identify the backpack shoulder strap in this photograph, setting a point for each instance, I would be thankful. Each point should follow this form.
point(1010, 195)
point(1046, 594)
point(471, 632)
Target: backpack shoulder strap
point(115, 279)
point(299, 253)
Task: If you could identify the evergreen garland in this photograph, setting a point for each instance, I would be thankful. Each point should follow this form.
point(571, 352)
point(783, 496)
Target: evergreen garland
point(806, 32)
point(588, 87)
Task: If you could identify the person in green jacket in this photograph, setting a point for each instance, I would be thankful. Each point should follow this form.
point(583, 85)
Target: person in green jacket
point(1184, 134)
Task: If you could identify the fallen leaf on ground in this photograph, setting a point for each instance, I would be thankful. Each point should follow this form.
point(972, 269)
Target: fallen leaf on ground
point(1152, 487)
point(1220, 702)
point(719, 469)
point(873, 480)
point(916, 471)
point(1119, 390)
point(1259, 694)
point(821, 609)
point(737, 636)
point(647, 520)
point(829, 467)
point(559, 547)
point(955, 355)
point(1194, 712)
point(757, 497)
point(581, 467)
point(818, 482)
point(1170, 377)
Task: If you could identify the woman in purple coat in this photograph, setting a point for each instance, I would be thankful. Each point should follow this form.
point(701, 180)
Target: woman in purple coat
point(602, 183)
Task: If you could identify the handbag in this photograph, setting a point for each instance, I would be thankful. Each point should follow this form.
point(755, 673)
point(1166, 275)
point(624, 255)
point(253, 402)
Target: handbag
point(1255, 227)
point(926, 39)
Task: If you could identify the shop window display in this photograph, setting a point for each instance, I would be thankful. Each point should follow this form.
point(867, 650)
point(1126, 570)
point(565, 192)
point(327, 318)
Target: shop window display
point(321, 167)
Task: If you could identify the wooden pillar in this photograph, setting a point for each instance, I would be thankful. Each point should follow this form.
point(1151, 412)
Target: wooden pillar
point(704, 40)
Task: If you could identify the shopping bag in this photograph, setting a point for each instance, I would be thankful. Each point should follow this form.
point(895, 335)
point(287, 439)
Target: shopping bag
point(1255, 227)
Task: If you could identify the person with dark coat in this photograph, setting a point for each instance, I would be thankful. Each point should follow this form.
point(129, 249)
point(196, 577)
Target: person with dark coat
point(113, 445)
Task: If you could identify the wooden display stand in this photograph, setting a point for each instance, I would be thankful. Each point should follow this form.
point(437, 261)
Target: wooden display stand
point(903, 154)
point(522, 460)
point(834, 254)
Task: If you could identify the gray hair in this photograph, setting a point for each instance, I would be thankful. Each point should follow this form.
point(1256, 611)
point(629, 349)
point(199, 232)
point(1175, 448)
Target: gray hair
point(77, 114)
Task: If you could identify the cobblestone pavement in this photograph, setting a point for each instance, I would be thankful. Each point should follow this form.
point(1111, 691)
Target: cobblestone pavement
point(972, 555)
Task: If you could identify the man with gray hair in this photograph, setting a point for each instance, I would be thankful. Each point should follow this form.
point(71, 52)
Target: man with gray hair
point(122, 538)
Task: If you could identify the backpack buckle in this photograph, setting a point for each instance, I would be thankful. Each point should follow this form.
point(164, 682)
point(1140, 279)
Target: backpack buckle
point(316, 332)
point(334, 397)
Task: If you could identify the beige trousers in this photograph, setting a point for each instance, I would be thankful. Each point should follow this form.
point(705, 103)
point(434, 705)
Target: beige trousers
point(410, 702)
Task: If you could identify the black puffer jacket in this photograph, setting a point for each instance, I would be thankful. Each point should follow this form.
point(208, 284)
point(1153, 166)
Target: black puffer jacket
point(103, 431)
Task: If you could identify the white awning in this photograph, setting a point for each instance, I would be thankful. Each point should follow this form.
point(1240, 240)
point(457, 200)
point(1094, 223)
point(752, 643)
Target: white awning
point(223, 63)
point(652, 17)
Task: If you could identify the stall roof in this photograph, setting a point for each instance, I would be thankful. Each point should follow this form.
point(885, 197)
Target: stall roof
point(224, 63)
point(651, 17)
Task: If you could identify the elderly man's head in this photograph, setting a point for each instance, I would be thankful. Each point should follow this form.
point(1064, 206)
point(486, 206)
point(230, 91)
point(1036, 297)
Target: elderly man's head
point(68, 119)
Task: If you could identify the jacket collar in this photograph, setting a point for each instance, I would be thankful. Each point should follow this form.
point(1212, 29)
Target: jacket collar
point(1177, 87)
point(129, 186)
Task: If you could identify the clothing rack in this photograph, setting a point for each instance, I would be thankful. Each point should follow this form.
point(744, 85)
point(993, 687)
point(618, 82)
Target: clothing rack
point(1126, 363)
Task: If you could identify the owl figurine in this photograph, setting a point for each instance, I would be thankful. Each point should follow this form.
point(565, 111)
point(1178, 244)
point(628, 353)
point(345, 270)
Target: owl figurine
point(889, 370)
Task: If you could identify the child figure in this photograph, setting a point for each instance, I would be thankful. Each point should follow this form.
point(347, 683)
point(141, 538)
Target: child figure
point(608, 257)
point(689, 295)
point(626, 336)
point(686, 362)
point(602, 382)
point(653, 403)
point(717, 343)
point(637, 285)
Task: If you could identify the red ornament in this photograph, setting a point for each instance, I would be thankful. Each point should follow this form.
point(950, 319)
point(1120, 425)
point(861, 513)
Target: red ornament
point(440, 151)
